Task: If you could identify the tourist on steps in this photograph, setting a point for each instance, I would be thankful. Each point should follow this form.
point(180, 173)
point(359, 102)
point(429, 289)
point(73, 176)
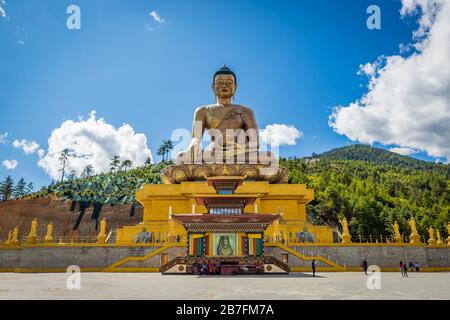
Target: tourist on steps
point(204, 267)
point(196, 267)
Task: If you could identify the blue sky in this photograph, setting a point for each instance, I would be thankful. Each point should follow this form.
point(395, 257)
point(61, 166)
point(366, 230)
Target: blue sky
point(295, 61)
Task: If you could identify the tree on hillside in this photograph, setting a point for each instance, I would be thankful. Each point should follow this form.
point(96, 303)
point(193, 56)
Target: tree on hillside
point(164, 150)
point(20, 189)
point(72, 176)
point(169, 146)
point(7, 188)
point(64, 161)
point(30, 188)
point(115, 163)
point(161, 152)
point(126, 164)
point(148, 161)
point(87, 171)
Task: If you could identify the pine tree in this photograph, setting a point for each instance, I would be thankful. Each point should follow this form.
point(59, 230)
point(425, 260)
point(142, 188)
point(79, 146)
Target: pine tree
point(7, 188)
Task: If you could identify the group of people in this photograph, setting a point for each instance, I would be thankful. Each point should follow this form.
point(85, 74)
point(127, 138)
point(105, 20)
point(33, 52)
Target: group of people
point(206, 267)
point(412, 266)
point(403, 267)
point(149, 237)
point(210, 267)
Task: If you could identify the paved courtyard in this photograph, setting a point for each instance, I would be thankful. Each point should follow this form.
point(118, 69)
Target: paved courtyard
point(350, 285)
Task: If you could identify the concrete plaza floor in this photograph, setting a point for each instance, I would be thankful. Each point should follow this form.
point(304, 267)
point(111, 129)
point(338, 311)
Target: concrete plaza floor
point(349, 285)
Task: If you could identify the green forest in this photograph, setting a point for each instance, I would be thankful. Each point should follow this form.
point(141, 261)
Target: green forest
point(371, 187)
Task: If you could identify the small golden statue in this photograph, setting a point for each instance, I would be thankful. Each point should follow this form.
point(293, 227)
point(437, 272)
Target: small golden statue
point(49, 236)
point(414, 237)
point(171, 233)
point(397, 236)
point(101, 238)
point(346, 237)
point(431, 240)
point(448, 232)
point(276, 231)
point(15, 236)
point(438, 235)
point(31, 238)
point(8, 241)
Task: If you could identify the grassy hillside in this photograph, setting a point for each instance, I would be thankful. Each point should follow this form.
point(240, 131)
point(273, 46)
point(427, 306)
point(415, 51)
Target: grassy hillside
point(373, 188)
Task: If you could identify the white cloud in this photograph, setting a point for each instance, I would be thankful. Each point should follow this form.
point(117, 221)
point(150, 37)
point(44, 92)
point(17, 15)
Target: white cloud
point(148, 28)
point(280, 134)
point(408, 98)
point(93, 142)
point(156, 17)
point(2, 9)
point(4, 137)
point(10, 164)
point(29, 147)
point(403, 151)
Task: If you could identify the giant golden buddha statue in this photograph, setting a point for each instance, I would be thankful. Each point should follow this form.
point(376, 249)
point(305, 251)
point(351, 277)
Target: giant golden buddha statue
point(234, 141)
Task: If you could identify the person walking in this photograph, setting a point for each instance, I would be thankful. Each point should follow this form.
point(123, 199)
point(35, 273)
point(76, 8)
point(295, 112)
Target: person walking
point(313, 266)
point(196, 267)
point(365, 266)
point(417, 267)
point(401, 268)
point(204, 267)
point(411, 266)
point(405, 269)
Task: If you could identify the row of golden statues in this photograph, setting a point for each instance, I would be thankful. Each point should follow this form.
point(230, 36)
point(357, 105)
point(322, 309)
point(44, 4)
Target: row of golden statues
point(414, 237)
point(13, 235)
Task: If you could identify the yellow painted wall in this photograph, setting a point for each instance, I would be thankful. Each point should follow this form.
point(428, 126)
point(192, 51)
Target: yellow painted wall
point(156, 199)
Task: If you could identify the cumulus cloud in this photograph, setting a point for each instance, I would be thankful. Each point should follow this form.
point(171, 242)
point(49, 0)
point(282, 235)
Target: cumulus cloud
point(408, 98)
point(10, 164)
point(156, 17)
point(29, 147)
point(4, 137)
point(2, 9)
point(280, 134)
point(403, 151)
point(93, 142)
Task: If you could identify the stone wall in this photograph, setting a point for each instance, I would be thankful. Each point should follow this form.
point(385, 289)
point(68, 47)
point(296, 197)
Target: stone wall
point(383, 256)
point(96, 258)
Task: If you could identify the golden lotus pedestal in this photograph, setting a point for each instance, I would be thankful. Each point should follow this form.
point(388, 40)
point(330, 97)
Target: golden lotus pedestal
point(178, 173)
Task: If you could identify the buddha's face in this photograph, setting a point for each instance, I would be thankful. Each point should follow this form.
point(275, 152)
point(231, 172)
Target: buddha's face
point(224, 85)
point(225, 242)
